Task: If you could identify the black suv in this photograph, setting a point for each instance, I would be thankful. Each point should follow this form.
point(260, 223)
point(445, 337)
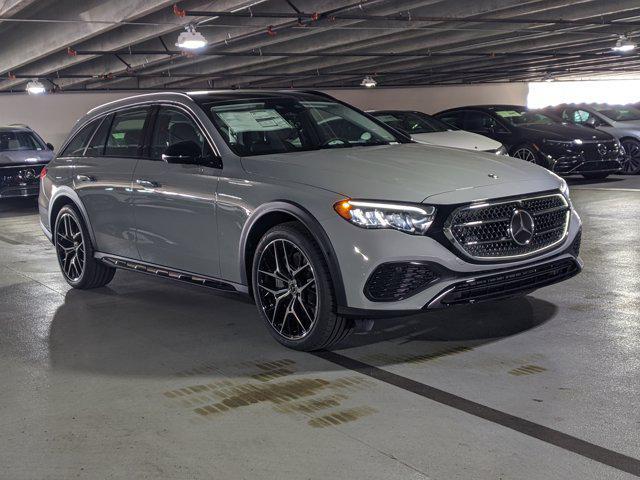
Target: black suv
point(541, 138)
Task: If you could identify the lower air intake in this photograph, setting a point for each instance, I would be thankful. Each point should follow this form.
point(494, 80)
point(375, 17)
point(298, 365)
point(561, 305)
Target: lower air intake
point(396, 281)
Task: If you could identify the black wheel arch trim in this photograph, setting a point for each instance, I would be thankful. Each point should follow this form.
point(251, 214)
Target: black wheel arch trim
point(309, 221)
point(69, 196)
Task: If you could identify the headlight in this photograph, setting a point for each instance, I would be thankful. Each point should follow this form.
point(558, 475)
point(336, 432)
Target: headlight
point(501, 151)
point(408, 218)
point(560, 143)
point(564, 188)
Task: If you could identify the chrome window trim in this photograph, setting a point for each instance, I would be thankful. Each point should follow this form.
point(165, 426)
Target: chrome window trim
point(149, 102)
point(488, 203)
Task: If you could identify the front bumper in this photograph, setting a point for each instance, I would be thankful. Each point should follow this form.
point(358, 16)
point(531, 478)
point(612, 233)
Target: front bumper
point(360, 252)
point(575, 165)
point(20, 181)
point(564, 162)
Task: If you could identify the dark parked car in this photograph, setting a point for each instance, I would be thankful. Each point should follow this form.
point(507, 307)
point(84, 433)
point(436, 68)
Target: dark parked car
point(23, 154)
point(540, 138)
point(621, 121)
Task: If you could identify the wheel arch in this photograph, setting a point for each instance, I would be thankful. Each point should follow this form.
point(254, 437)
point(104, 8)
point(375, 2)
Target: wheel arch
point(629, 137)
point(66, 196)
point(269, 215)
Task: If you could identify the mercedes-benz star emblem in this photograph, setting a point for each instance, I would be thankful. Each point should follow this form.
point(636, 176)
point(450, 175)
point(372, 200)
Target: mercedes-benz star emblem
point(602, 149)
point(522, 227)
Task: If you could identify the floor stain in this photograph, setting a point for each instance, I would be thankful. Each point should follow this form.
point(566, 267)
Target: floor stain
point(217, 398)
point(312, 405)
point(273, 374)
point(527, 370)
point(340, 417)
point(385, 358)
point(300, 397)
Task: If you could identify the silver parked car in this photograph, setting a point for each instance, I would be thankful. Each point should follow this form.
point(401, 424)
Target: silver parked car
point(623, 122)
point(23, 154)
point(317, 210)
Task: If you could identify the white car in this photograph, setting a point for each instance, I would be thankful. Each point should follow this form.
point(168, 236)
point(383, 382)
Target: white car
point(424, 128)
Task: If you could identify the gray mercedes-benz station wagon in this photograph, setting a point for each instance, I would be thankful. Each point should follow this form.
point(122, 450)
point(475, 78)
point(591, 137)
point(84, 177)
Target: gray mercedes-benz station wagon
point(317, 210)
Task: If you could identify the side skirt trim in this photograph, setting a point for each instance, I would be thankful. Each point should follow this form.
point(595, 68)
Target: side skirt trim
point(164, 272)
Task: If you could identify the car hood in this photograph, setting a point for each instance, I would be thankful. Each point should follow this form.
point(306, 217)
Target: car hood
point(564, 132)
point(630, 124)
point(405, 172)
point(457, 139)
point(22, 157)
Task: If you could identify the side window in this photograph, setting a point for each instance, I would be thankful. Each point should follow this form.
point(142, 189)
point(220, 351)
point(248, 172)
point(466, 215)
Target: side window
point(580, 116)
point(174, 126)
point(480, 122)
point(126, 137)
point(567, 115)
point(455, 119)
point(75, 148)
point(96, 145)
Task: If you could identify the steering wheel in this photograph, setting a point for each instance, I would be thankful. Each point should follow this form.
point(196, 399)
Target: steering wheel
point(335, 141)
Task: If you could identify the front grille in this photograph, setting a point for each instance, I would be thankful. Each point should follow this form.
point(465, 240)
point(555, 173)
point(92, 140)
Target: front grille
point(484, 231)
point(396, 281)
point(20, 174)
point(605, 150)
point(510, 283)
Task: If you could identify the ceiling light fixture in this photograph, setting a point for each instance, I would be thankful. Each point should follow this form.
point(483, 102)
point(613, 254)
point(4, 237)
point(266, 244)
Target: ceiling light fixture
point(191, 39)
point(368, 82)
point(623, 45)
point(35, 87)
point(548, 78)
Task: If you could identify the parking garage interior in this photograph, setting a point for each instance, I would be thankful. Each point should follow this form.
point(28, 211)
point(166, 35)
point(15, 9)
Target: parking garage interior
point(147, 377)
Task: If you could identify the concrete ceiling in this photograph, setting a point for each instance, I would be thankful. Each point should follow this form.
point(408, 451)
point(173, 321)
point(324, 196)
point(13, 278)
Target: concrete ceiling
point(129, 44)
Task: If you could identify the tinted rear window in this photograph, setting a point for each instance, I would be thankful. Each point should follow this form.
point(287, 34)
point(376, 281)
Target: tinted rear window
point(19, 140)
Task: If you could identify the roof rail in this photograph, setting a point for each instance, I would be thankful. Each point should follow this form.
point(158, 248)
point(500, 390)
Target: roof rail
point(23, 125)
point(313, 92)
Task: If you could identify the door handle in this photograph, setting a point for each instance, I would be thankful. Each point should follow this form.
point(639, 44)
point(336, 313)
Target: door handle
point(147, 183)
point(85, 178)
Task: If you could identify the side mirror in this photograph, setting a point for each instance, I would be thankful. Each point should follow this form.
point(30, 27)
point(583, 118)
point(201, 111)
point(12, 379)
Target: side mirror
point(49, 146)
point(183, 152)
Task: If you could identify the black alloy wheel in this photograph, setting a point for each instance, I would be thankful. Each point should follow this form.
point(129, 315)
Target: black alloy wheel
point(631, 160)
point(75, 252)
point(294, 292)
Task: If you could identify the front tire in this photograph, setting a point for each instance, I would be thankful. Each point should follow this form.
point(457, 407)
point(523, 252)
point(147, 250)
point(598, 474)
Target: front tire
point(75, 252)
point(631, 161)
point(527, 153)
point(294, 292)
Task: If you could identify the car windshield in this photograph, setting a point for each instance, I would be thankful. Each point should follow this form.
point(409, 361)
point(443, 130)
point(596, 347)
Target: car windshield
point(411, 122)
point(522, 117)
point(619, 114)
point(261, 126)
point(19, 140)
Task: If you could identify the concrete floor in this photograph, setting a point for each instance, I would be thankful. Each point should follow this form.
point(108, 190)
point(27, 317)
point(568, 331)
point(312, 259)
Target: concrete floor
point(152, 379)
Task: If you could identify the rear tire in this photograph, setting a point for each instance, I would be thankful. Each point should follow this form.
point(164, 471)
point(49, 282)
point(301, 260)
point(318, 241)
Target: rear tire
point(294, 292)
point(75, 252)
point(596, 176)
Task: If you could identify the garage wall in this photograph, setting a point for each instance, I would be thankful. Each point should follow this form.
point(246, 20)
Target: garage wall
point(434, 99)
point(53, 116)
